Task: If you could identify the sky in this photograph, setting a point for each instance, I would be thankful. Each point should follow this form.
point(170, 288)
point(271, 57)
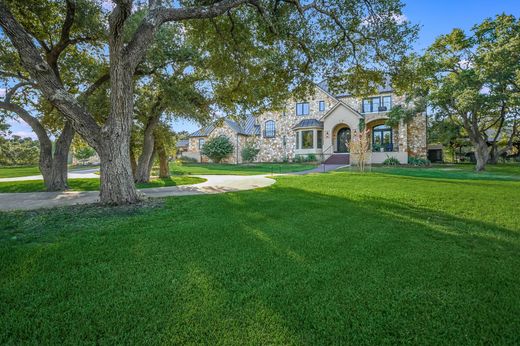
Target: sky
point(436, 17)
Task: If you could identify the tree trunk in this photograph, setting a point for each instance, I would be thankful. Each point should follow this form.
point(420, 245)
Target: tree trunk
point(152, 159)
point(143, 165)
point(54, 167)
point(494, 154)
point(117, 181)
point(133, 162)
point(482, 155)
point(164, 168)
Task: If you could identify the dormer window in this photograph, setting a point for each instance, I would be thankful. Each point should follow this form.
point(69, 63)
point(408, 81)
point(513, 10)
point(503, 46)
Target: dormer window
point(302, 108)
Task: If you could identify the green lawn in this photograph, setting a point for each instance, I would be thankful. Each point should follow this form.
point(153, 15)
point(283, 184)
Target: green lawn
point(338, 258)
point(246, 169)
point(458, 171)
point(12, 172)
point(91, 184)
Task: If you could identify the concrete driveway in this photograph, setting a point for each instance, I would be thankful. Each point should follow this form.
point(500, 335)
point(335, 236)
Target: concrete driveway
point(213, 184)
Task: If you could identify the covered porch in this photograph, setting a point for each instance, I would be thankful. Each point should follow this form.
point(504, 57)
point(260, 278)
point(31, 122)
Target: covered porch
point(385, 141)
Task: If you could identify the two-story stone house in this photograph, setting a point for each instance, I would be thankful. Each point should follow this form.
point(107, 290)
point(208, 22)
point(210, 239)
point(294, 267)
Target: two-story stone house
point(320, 126)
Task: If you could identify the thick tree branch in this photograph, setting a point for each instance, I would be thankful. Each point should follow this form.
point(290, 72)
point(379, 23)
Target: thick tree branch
point(35, 125)
point(47, 81)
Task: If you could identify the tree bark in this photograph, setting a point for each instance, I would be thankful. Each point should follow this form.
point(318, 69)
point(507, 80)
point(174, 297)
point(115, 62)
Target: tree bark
point(54, 165)
point(481, 155)
point(164, 168)
point(151, 162)
point(143, 165)
point(133, 162)
point(117, 181)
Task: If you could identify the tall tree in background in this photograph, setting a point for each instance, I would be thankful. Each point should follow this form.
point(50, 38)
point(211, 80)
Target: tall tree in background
point(253, 52)
point(472, 80)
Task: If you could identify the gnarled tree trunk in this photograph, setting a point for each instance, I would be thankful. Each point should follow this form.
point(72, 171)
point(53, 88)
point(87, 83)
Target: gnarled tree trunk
point(481, 155)
point(53, 166)
point(143, 165)
point(164, 168)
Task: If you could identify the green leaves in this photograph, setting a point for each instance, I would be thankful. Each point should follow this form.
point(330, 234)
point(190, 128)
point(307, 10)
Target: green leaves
point(218, 148)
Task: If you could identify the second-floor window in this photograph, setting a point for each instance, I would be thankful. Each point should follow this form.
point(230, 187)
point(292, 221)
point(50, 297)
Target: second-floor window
point(322, 106)
point(270, 129)
point(201, 143)
point(377, 104)
point(302, 108)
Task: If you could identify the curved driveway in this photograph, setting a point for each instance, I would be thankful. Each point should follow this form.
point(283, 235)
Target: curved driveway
point(213, 184)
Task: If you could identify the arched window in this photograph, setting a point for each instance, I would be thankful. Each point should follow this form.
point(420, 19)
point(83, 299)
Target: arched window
point(382, 138)
point(270, 129)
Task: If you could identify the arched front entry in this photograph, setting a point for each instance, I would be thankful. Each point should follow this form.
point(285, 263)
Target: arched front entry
point(342, 138)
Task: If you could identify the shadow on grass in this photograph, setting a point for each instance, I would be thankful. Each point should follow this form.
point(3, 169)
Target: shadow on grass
point(445, 173)
point(279, 265)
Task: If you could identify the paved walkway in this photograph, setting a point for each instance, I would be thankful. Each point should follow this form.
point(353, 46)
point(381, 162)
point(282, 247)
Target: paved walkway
point(213, 184)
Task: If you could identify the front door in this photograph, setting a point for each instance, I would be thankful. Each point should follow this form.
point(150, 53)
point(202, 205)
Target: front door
point(343, 138)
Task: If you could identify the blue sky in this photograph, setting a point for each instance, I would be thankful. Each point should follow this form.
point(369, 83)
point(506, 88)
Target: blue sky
point(436, 17)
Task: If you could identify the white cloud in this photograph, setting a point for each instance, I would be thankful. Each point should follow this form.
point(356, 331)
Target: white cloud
point(2, 92)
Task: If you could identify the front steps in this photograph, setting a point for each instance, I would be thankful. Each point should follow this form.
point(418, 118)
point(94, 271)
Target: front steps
point(338, 159)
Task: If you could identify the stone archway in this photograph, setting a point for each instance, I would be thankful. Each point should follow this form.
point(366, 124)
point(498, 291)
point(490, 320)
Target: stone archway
point(341, 135)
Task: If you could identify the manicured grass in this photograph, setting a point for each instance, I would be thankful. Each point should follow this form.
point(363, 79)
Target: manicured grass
point(451, 171)
point(459, 171)
point(92, 184)
point(246, 169)
point(12, 172)
point(339, 258)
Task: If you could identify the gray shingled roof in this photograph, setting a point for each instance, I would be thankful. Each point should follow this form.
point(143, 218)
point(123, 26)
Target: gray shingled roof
point(309, 123)
point(241, 126)
point(203, 132)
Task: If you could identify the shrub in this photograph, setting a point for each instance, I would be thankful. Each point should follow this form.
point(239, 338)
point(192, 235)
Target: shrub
point(305, 158)
point(311, 158)
point(418, 161)
point(217, 148)
point(391, 161)
point(249, 152)
point(185, 159)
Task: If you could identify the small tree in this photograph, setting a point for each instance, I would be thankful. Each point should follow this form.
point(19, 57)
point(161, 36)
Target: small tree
point(249, 152)
point(84, 153)
point(359, 146)
point(218, 148)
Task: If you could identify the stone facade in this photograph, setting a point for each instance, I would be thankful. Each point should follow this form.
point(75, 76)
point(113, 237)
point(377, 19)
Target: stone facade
point(340, 112)
point(417, 141)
